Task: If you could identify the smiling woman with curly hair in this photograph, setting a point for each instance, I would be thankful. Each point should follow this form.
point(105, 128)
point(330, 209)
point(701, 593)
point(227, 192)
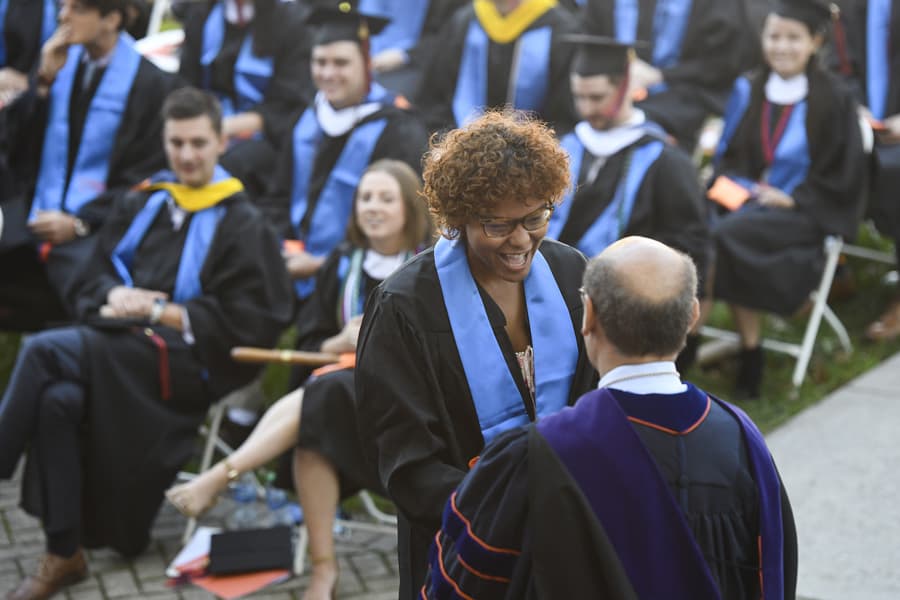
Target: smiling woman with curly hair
point(479, 335)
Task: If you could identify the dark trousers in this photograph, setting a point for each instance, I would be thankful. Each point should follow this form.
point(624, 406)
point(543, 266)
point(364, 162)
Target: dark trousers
point(43, 409)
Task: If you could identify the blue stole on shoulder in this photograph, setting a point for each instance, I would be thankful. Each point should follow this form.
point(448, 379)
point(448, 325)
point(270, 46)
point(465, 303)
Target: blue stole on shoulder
point(332, 211)
point(878, 22)
point(104, 116)
point(602, 452)
point(496, 396)
point(251, 73)
point(407, 18)
point(791, 160)
point(670, 21)
point(531, 77)
point(48, 24)
point(612, 222)
point(201, 231)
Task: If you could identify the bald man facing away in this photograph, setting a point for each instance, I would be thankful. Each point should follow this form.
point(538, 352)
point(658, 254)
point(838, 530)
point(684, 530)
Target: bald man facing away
point(647, 488)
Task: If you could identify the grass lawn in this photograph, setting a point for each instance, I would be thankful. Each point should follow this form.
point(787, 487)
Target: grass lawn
point(828, 370)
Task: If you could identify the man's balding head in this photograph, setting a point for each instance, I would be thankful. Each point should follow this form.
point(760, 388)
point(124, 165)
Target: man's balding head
point(643, 295)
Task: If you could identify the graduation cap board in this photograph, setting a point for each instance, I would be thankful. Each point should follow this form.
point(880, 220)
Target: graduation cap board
point(816, 14)
point(597, 55)
point(342, 21)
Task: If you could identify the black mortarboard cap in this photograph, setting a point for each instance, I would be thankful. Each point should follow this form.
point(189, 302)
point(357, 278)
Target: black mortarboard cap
point(816, 14)
point(340, 21)
point(597, 55)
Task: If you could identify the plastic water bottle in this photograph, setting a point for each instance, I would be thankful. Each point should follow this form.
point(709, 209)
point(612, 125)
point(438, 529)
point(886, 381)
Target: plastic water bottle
point(247, 514)
point(281, 510)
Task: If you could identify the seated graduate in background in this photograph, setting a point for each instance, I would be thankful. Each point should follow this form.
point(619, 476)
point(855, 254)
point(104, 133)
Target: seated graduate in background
point(792, 141)
point(871, 62)
point(254, 56)
point(88, 125)
point(183, 270)
point(501, 53)
point(26, 25)
point(352, 122)
point(477, 336)
point(697, 48)
point(627, 179)
point(389, 224)
point(406, 45)
point(647, 488)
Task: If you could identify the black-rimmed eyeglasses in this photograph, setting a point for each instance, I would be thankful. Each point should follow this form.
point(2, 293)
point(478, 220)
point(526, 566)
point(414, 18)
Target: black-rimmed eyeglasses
point(497, 228)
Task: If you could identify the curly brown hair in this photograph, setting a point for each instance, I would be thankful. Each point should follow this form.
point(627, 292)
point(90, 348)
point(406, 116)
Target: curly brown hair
point(501, 155)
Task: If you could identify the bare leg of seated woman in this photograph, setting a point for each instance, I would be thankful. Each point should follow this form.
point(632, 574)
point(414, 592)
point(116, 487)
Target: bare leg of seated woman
point(318, 490)
point(275, 434)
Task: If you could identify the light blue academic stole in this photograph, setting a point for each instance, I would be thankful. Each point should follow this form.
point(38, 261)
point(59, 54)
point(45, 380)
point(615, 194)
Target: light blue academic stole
point(332, 212)
point(614, 219)
point(670, 21)
point(201, 231)
point(531, 77)
point(495, 394)
point(878, 22)
point(791, 159)
point(251, 73)
point(407, 18)
point(48, 24)
point(104, 116)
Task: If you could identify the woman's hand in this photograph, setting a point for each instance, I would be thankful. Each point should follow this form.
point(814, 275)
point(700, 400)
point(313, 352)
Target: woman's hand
point(302, 264)
point(772, 196)
point(53, 226)
point(345, 340)
point(389, 60)
point(126, 302)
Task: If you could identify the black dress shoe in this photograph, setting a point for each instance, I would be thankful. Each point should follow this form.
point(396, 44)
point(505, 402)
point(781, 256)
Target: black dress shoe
point(750, 373)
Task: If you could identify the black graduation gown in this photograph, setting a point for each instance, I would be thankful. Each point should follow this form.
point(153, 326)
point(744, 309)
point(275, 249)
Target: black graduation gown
point(278, 31)
point(22, 34)
point(669, 205)
point(770, 259)
point(883, 205)
point(717, 45)
point(137, 153)
point(136, 439)
point(435, 97)
point(404, 138)
point(327, 422)
point(416, 415)
point(407, 79)
point(522, 497)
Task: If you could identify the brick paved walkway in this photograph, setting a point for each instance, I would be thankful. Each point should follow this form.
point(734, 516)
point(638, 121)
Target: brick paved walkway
point(368, 562)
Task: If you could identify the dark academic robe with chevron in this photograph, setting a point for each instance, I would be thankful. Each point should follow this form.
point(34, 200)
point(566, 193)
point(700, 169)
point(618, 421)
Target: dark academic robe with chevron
point(626, 496)
point(700, 46)
point(769, 258)
point(416, 389)
point(307, 197)
point(57, 158)
point(652, 192)
point(472, 72)
point(871, 64)
point(149, 388)
point(262, 67)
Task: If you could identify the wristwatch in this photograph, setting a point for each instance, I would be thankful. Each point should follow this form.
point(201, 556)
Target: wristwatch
point(81, 228)
point(156, 311)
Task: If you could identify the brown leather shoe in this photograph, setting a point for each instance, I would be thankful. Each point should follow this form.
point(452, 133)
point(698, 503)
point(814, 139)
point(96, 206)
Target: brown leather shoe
point(887, 327)
point(53, 573)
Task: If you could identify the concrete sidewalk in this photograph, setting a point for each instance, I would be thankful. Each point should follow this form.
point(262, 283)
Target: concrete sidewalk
point(840, 462)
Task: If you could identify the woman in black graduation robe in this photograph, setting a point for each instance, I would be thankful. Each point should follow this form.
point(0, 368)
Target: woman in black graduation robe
point(769, 253)
point(417, 414)
point(436, 93)
point(278, 32)
point(145, 404)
